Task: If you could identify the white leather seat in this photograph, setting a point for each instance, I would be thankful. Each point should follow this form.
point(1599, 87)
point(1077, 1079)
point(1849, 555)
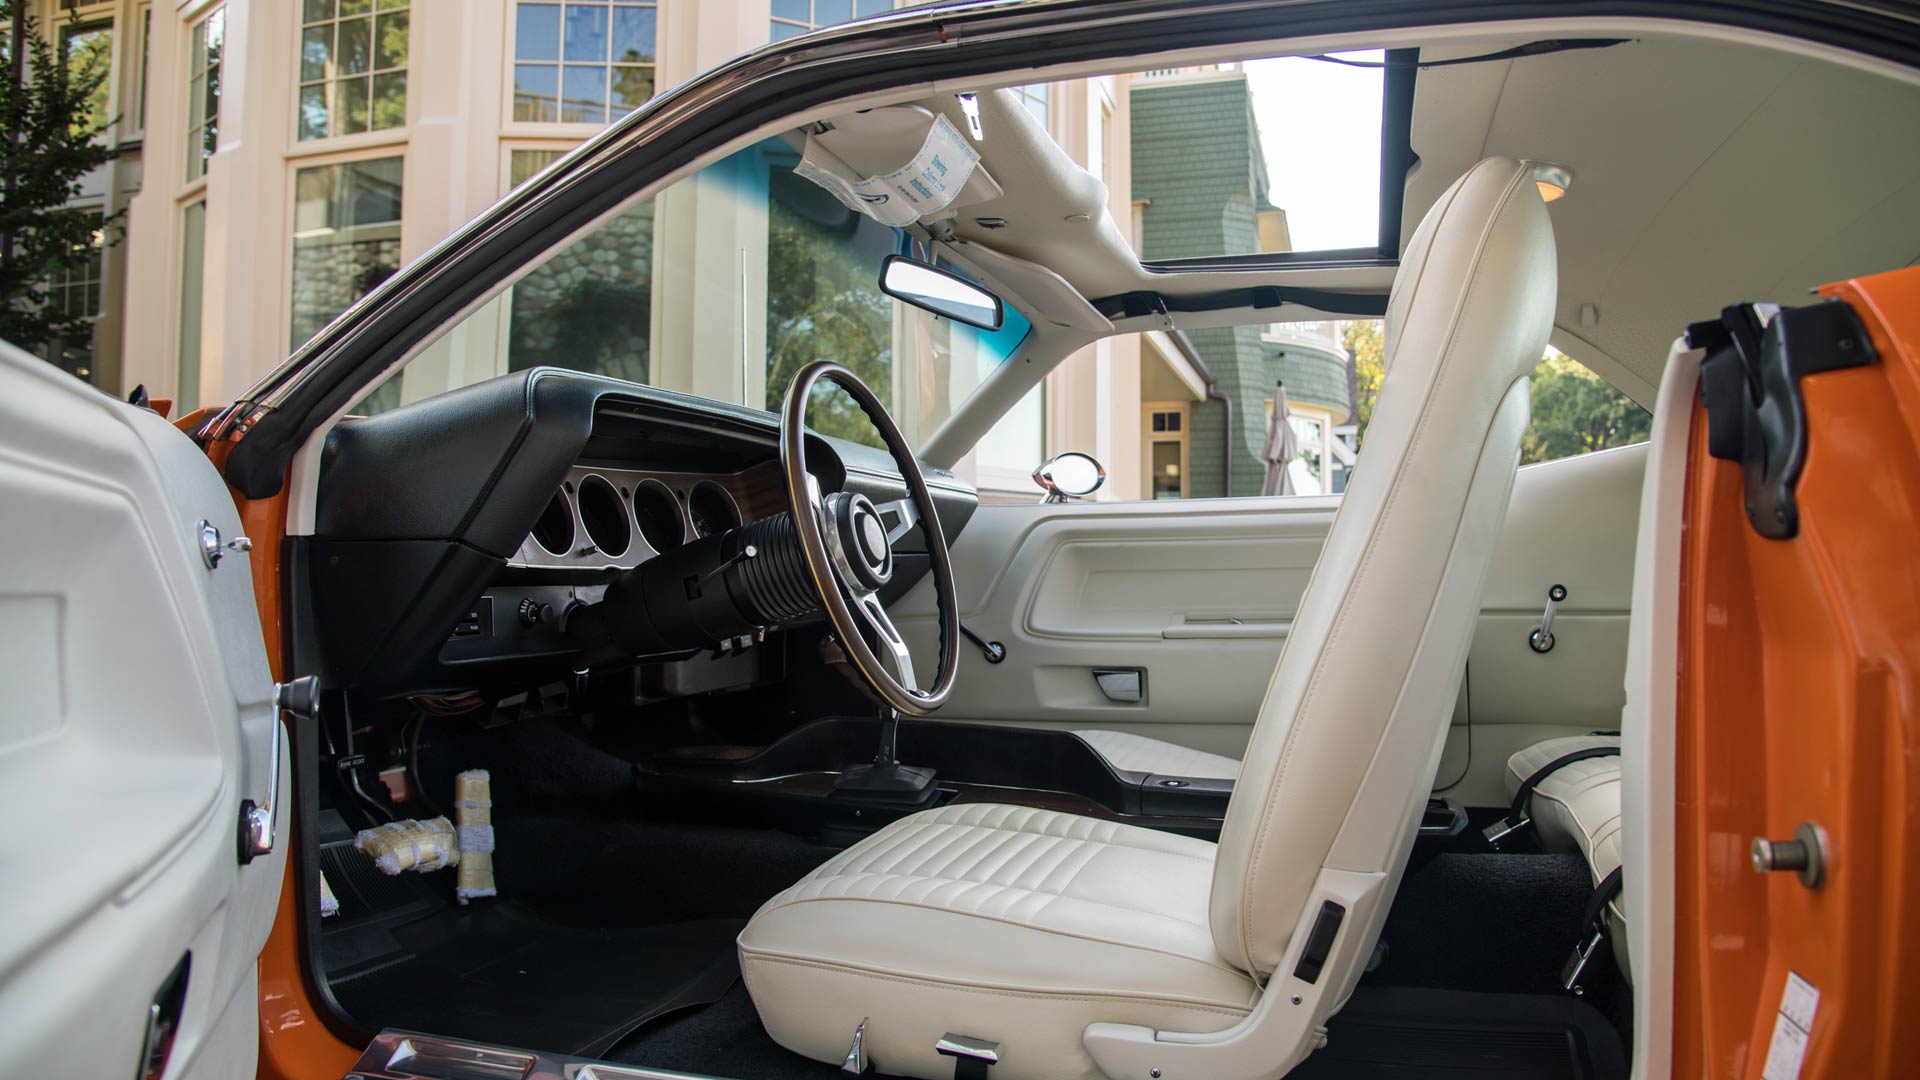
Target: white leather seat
point(1128, 752)
point(1577, 808)
point(1086, 948)
point(992, 919)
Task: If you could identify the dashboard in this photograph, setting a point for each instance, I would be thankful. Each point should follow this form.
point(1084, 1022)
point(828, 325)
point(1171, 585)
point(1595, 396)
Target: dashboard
point(453, 534)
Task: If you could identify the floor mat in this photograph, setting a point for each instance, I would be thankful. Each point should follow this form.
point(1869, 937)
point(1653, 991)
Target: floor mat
point(1396, 1033)
point(497, 974)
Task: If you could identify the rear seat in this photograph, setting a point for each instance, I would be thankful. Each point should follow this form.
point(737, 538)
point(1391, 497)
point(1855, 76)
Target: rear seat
point(1577, 808)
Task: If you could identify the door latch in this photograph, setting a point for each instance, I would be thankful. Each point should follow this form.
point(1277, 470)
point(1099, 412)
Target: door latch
point(1541, 640)
point(212, 550)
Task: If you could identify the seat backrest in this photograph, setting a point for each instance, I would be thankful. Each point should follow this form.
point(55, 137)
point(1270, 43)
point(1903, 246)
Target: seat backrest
point(1344, 751)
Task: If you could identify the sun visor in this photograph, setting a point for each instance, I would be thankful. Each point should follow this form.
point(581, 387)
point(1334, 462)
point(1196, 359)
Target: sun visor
point(897, 164)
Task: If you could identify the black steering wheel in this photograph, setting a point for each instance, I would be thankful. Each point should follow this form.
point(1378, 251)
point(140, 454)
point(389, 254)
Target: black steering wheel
point(847, 543)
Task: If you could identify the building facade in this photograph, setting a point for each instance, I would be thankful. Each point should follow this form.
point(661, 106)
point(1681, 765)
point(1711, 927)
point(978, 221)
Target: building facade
point(279, 158)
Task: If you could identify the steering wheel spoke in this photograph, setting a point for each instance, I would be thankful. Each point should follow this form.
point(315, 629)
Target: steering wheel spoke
point(900, 515)
point(893, 648)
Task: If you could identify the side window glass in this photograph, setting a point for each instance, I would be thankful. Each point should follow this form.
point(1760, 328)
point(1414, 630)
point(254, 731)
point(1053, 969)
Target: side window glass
point(1578, 412)
point(1574, 411)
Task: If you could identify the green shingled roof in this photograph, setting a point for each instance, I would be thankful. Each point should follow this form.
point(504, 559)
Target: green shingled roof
point(1314, 376)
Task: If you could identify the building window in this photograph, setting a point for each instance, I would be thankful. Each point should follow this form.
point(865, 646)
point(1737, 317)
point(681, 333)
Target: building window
point(146, 50)
point(792, 18)
point(74, 292)
point(87, 48)
point(203, 91)
point(1165, 450)
point(353, 66)
point(1037, 99)
point(583, 62)
point(522, 164)
point(193, 256)
point(346, 238)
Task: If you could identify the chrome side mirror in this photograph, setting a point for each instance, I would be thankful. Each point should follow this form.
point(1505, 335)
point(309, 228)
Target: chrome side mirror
point(940, 291)
point(1071, 475)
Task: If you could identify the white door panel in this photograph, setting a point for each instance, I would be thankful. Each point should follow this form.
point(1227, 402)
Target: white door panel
point(1198, 595)
point(141, 722)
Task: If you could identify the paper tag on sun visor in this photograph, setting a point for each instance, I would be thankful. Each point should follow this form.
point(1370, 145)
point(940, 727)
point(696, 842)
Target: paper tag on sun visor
point(915, 190)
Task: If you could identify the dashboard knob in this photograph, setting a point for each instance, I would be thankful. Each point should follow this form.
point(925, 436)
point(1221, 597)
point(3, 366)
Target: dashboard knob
point(533, 613)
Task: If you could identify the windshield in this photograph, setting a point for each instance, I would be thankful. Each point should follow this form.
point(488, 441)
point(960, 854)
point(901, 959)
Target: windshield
point(724, 285)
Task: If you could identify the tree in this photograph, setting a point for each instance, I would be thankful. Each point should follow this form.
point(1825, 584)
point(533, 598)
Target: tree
point(1577, 412)
point(1365, 342)
point(1574, 410)
point(52, 124)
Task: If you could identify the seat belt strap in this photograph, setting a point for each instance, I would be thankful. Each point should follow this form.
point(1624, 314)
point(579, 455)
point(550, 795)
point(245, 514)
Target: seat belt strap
point(1593, 930)
point(1518, 817)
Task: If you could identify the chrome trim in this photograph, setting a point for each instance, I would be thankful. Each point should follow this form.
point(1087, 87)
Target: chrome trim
point(582, 555)
point(967, 1046)
point(406, 1055)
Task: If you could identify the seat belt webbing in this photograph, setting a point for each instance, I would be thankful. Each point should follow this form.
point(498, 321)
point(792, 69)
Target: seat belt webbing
point(1518, 816)
point(1593, 930)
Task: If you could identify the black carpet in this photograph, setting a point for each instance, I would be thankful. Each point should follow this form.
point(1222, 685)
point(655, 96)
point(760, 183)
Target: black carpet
point(1397, 1033)
point(496, 973)
point(723, 1039)
point(1494, 923)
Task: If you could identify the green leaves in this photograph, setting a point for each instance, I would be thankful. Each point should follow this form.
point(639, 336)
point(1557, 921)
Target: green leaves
point(51, 122)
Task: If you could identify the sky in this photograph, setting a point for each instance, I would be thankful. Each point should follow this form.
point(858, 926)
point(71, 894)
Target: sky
point(1320, 127)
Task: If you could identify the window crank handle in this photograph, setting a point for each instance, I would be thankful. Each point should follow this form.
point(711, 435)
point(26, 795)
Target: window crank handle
point(1541, 640)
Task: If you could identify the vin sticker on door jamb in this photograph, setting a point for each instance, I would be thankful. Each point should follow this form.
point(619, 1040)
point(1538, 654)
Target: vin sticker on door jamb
point(1791, 1029)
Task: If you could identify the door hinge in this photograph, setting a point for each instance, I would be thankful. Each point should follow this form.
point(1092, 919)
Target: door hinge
point(1750, 384)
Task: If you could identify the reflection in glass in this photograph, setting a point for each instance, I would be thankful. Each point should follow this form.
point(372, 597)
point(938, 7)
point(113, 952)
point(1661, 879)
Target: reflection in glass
point(346, 238)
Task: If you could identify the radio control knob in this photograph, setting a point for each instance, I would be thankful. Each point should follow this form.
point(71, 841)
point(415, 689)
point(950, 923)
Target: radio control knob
point(533, 613)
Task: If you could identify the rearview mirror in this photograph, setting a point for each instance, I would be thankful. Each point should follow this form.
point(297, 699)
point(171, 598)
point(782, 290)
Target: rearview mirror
point(941, 292)
point(1071, 475)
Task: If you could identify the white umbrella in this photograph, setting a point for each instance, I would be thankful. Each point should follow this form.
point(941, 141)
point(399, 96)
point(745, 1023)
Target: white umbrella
point(1282, 447)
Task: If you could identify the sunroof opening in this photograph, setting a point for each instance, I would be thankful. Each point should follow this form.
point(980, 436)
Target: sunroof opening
point(1272, 157)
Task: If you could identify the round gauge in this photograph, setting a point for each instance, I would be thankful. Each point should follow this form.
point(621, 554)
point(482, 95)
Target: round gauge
point(711, 509)
point(658, 513)
point(554, 531)
point(605, 519)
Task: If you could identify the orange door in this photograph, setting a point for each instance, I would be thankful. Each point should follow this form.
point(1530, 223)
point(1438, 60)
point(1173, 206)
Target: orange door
point(1799, 701)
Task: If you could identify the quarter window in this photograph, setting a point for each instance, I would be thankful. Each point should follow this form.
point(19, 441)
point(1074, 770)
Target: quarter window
point(353, 66)
point(203, 91)
point(582, 62)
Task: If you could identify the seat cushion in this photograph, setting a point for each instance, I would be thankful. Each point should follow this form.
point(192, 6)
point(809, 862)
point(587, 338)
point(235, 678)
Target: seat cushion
point(1011, 924)
point(1137, 753)
point(1577, 808)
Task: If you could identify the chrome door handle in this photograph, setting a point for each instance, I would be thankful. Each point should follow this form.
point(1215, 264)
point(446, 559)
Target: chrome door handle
point(301, 698)
point(1541, 640)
